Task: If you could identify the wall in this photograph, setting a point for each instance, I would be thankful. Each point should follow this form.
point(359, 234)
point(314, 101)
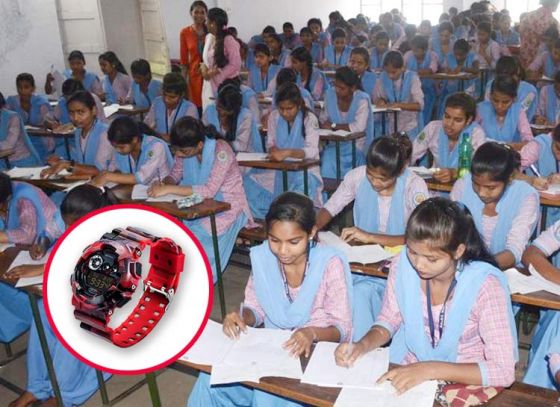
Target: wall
point(29, 41)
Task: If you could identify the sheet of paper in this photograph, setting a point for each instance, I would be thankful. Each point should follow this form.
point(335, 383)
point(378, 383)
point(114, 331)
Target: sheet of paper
point(23, 258)
point(365, 254)
point(545, 285)
point(26, 172)
point(327, 132)
point(541, 126)
point(251, 157)
point(378, 109)
point(520, 283)
point(385, 396)
point(111, 109)
point(4, 246)
point(553, 189)
point(28, 281)
point(256, 354)
point(423, 171)
point(322, 369)
point(126, 107)
point(212, 346)
point(140, 192)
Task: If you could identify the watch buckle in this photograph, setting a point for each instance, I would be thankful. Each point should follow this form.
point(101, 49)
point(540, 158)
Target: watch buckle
point(167, 293)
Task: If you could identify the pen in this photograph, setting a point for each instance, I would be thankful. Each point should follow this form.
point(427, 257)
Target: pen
point(534, 169)
point(350, 343)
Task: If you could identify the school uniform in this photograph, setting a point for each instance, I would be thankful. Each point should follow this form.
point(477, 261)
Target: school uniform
point(257, 82)
point(527, 96)
point(250, 101)
point(262, 186)
point(368, 80)
point(406, 89)
point(218, 177)
point(317, 54)
point(376, 60)
point(61, 115)
point(554, 359)
point(514, 129)
point(374, 213)
point(359, 118)
point(95, 149)
point(434, 140)
point(332, 57)
point(492, 50)
point(471, 87)
point(247, 136)
point(143, 100)
point(478, 326)
point(292, 42)
point(430, 61)
point(322, 300)
point(316, 84)
point(233, 66)
point(91, 82)
point(14, 136)
point(549, 105)
point(511, 37)
point(435, 46)
point(283, 59)
point(118, 89)
point(543, 62)
point(162, 120)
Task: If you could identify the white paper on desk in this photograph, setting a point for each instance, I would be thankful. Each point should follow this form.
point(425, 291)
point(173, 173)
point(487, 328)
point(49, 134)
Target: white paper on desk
point(212, 346)
point(251, 157)
point(520, 283)
point(553, 189)
point(327, 132)
point(545, 285)
point(26, 172)
point(140, 192)
point(126, 107)
point(541, 126)
point(423, 171)
point(4, 246)
point(546, 78)
point(23, 258)
point(378, 109)
point(256, 354)
point(28, 281)
point(111, 109)
point(68, 186)
point(385, 396)
point(322, 369)
point(365, 254)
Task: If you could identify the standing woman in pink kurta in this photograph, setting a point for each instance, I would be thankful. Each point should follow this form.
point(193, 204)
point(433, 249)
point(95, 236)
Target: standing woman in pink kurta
point(532, 28)
point(223, 60)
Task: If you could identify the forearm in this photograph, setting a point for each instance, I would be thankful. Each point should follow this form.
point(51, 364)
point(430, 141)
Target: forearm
point(505, 259)
point(82, 169)
point(387, 240)
point(296, 153)
point(4, 237)
point(323, 218)
point(119, 178)
point(376, 337)
point(184, 190)
point(465, 373)
point(533, 255)
point(329, 334)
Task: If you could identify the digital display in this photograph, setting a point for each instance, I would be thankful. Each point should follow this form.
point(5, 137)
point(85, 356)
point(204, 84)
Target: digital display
point(99, 281)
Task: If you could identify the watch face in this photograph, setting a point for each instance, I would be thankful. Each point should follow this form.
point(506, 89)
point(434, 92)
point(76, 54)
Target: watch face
point(99, 272)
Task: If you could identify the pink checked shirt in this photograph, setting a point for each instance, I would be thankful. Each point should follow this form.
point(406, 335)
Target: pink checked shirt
point(14, 139)
point(330, 308)
point(530, 153)
point(486, 339)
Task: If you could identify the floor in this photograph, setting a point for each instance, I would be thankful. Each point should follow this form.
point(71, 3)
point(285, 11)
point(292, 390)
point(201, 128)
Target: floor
point(174, 386)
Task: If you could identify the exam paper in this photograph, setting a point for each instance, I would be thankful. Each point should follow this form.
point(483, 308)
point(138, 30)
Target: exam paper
point(365, 254)
point(423, 171)
point(212, 346)
point(26, 172)
point(140, 192)
point(23, 258)
point(328, 132)
point(251, 157)
point(385, 396)
point(111, 109)
point(553, 189)
point(28, 281)
point(522, 284)
point(545, 285)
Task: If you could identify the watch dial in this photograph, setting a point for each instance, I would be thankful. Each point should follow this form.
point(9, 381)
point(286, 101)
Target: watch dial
point(100, 271)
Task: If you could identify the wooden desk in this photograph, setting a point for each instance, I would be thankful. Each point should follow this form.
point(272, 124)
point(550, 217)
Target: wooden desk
point(285, 167)
point(5, 155)
point(352, 137)
point(133, 112)
point(451, 77)
point(42, 132)
point(53, 184)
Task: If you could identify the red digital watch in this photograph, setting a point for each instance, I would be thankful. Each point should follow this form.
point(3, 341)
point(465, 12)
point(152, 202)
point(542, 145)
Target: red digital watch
point(108, 273)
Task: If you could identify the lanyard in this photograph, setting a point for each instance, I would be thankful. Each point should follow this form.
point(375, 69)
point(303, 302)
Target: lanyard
point(285, 280)
point(441, 313)
point(178, 108)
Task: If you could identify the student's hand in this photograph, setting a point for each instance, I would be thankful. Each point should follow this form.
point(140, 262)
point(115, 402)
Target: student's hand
point(356, 234)
point(326, 125)
point(444, 175)
point(404, 378)
point(381, 103)
point(300, 342)
point(157, 189)
point(100, 180)
point(539, 183)
point(233, 324)
point(53, 159)
point(553, 179)
point(25, 270)
point(540, 120)
point(346, 357)
point(122, 101)
point(39, 249)
point(54, 169)
point(278, 155)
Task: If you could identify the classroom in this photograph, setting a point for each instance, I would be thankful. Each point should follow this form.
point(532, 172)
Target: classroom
point(375, 186)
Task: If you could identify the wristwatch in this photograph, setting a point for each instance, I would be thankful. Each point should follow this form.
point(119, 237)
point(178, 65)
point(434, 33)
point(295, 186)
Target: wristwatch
point(107, 275)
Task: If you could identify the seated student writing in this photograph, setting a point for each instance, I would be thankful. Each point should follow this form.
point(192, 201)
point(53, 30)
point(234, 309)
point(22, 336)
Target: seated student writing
point(280, 56)
point(446, 271)
point(13, 136)
point(144, 89)
point(443, 137)
point(76, 380)
point(546, 63)
point(293, 132)
point(504, 210)
point(348, 108)
point(359, 62)
point(170, 106)
point(92, 151)
point(400, 88)
point(548, 108)
point(309, 77)
point(314, 48)
point(263, 73)
point(236, 124)
point(77, 70)
point(486, 49)
point(424, 62)
point(294, 284)
point(116, 83)
point(442, 43)
point(289, 75)
point(505, 35)
point(250, 99)
point(379, 50)
point(338, 53)
point(137, 159)
point(384, 194)
point(502, 117)
point(205, 165)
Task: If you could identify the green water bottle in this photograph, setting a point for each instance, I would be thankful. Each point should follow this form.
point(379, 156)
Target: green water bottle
point(465, 156)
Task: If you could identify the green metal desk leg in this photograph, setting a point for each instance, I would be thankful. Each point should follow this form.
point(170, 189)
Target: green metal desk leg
point(45, 347)
point(152, 386)
point(353, 153)
point(337, 150)
point(285, 180)
point(102, 388)
point(305, 182)
point(218, 265)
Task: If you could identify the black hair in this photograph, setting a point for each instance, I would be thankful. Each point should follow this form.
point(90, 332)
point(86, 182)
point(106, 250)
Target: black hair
point(504, 84)
point(292, 207)
point(507, 65)
point(338, 33)
point(461, 45)
point(83, 97)
point(382, 35)
point(453, 10)
point(262, 49)
point(302, 54)
point(419, 41)
point(287, 24)
point(231, 100)
point(363, 52)
point(315, 21)
point(446, 225)
point(348, 77)
point(289, 91)
point(25, 77)
point(123, 130)
point(5, 187)
point(394, 59)
point(389, 154)
point(220, 18)
point(496, 160)
point(463, 101)
point(140, 67)
point(2, 100)
point(71, 86)
point(84, 199)
point(189, 131)
point(198, 3)
point(557, 44)
point(112, 58)
point(446, 26)
point(305, 30)
point(233, 32)
point(286, 75)
point(269, 30)
point(76, 55)
point(556, 133)
point(174, 82)
point(484, 26)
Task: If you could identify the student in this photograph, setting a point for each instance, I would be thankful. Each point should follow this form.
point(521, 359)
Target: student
point(264, 71)
point(76, 380)
point(338, 53)
point(308, 76)
point(445, 272)
point(378, 52)
point(487, 50)
point(505, 210)
point(398, 87)
point(250, 100)
point(424, 62)
point(403, 44)
point(32, 107)
point(290, 39)
point(116, 83)
point(314, 48)
point(137, 158)
point(547, 63)
point(170, 106)
point(77, 71)
point(144, 89)
point(286, 75)
point(236, 124)
point(293, 132)
point(280, 56)
point(348, 108)
point(502, 117)
point(384, 194)
point(92, 151)
point(319, 36)
point(548, 39)
point(260, 38)
point(505, 35)
point(13, 136)
point(442, 43)
point(206, 165)
point(394, 30)
point(548, 108)
point(359, 62)
point(294, 284)
point(443, 137)
point(526, 93)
